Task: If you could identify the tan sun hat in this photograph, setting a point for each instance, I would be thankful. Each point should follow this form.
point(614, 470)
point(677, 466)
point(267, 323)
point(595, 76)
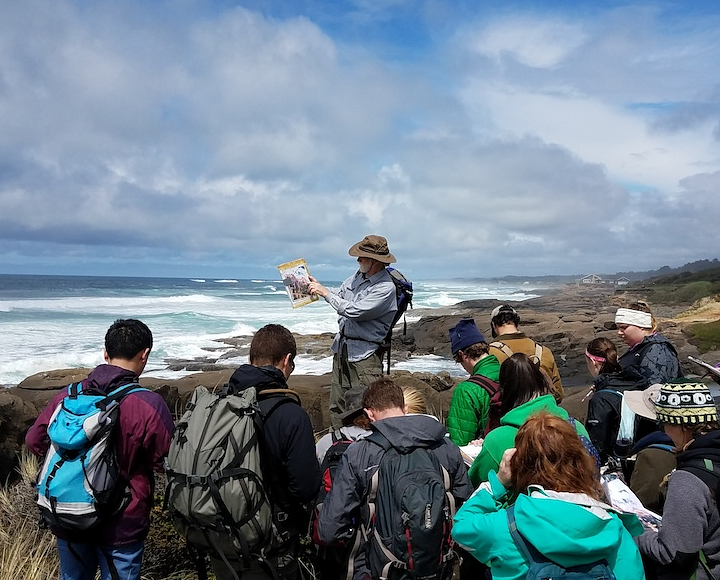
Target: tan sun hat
point(643, 402)
point(375, 247)
point(679, 402)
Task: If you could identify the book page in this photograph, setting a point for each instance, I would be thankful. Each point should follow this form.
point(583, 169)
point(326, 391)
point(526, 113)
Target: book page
point(296, 278)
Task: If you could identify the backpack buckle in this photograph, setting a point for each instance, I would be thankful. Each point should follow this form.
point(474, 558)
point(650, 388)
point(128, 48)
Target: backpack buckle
point(198, 479)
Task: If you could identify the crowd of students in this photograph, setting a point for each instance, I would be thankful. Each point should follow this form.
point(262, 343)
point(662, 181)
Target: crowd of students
point(532, 498)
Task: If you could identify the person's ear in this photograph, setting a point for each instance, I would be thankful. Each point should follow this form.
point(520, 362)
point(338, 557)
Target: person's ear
point(287, 365)
point(371, 414)
point(105, 356)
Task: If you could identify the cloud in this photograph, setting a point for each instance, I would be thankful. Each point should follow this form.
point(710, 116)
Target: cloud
point(171, 136)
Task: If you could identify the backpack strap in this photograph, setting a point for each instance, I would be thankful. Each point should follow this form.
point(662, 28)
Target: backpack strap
point(501, 346)
point(118, 394)
point(74, 390)
point(520, 542)
point(538, 352)
point(488, 385)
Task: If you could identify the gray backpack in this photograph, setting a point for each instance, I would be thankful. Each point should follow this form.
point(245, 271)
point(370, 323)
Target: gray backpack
point(215, 492)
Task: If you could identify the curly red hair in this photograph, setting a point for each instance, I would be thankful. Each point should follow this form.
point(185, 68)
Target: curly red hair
point(550, 453)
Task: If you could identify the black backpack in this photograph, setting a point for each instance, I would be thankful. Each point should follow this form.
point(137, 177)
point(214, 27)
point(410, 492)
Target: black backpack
point(492, 388)
point(403, 296)
point(410, 511)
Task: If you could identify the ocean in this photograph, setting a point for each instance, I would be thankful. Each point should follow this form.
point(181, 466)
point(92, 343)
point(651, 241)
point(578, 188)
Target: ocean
point(55, 322)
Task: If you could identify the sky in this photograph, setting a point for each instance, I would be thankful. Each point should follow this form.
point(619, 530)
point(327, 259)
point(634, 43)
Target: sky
point(207, 138)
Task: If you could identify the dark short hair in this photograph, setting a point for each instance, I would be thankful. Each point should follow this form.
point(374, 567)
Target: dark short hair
point(383, 394)
point(521, 380)
point(506, 315)
point(473, 351)
point(271, 344)
point(126, 338)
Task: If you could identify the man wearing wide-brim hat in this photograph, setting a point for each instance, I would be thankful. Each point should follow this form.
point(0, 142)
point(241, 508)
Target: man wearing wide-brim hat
point(366, 305)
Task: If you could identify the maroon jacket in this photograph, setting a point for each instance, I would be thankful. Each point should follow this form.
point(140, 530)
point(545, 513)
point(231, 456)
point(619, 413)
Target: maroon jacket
point(144, 431)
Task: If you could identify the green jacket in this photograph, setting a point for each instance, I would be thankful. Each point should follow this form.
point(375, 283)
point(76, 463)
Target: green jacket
point(568, 528)
point(470, 404)
point(503, 437)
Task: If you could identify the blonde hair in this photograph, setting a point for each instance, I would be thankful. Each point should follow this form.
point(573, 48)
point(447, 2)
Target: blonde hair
point(415, 403)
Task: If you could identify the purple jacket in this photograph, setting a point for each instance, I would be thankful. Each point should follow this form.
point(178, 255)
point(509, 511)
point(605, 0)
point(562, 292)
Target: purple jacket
point(144, 431)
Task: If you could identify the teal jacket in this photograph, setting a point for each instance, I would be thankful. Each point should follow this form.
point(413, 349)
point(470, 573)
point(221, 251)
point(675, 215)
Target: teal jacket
point(568, 528)
point(503, 437)
point(470, 404)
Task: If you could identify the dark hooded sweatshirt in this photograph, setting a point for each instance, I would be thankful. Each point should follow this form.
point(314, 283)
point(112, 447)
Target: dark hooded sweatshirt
point(288, 443)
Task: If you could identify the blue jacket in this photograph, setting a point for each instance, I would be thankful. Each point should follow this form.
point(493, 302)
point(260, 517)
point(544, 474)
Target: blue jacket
point(568, 528)
point(366, 308)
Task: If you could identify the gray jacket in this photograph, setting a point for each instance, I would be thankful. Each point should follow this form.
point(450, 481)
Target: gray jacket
point(341, 511)
point(366, 308)
point(653, 360)
point(690, 522)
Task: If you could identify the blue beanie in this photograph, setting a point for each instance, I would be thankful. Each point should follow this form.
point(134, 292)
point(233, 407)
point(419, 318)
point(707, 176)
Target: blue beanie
point(464, 334)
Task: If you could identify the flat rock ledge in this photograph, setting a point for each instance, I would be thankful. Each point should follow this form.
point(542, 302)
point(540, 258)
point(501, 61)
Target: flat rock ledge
point(564, 320)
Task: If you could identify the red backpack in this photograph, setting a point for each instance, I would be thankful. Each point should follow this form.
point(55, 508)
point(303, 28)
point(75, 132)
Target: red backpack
point(492, 388)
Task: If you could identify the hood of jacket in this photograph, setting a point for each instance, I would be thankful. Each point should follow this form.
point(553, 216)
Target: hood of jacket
point(106, 378)
point(517, 416)
point(571, 528)
point(613, 382)
point(408, 431)
point(704, 447)
point(262, 378)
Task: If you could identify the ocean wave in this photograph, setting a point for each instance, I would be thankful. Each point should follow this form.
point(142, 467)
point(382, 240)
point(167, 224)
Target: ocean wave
point(229, 281)
point(85, 304)
point(197, 280)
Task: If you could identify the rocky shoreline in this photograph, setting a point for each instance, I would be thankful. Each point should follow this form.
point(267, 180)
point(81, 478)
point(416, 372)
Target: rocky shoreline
point(565, 320)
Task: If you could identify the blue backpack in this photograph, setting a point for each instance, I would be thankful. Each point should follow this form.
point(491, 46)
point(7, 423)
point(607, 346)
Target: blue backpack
point(541, 568)
point(403, 296)
point(79, 484)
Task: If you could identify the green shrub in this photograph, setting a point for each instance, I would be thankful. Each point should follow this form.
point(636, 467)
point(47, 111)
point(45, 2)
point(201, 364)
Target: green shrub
point(706, 336)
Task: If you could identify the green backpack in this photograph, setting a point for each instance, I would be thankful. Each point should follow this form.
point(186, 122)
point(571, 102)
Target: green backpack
point(215, 492)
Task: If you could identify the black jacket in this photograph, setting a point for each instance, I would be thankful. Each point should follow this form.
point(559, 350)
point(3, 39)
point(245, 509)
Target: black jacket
point(288, 443)
point(603, 413)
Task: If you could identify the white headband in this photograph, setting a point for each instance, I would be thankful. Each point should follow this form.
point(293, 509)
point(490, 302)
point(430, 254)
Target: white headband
point(633, 317)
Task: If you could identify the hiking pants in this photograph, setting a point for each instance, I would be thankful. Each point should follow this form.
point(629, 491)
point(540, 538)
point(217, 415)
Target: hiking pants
point(79, 561)
point(347, 375)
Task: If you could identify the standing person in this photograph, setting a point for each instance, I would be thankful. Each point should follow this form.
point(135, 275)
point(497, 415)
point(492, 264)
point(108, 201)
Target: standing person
point(143, 435)
point(366, 306)
point(690, 531)
point(526, 391)
point(346, 506)
point(287, 451)
point(651, 358)
point(558, 511)
point(470, 404)
point(504, 323)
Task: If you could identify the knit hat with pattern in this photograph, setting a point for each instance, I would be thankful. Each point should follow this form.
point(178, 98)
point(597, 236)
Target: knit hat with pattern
point(685, 403)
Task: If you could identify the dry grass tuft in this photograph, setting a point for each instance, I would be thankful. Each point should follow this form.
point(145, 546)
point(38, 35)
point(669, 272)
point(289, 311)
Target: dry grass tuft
point(26, 550)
